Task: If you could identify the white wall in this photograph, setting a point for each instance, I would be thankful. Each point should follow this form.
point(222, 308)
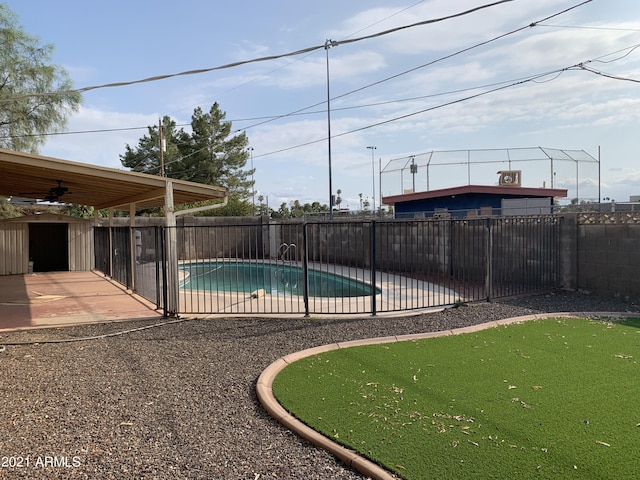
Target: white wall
point(14, 248)
point(14, 243)
point(81, 253)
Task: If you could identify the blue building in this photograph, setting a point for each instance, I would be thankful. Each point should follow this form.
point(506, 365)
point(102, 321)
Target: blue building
point(475, 200)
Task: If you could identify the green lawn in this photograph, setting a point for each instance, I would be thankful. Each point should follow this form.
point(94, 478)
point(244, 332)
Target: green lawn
point(556, 398)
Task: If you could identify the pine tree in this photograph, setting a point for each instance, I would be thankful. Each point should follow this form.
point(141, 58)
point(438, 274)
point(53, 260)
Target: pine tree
point(210, 153)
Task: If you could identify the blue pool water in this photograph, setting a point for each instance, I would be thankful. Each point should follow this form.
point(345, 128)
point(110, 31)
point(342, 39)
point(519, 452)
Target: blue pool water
point(273, 278)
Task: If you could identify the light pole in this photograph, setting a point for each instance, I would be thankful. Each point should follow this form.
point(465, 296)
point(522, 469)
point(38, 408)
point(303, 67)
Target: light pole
point(577, 180)
point(328, 44)
point(373, 176)
point(413, 168)
point(253, 182)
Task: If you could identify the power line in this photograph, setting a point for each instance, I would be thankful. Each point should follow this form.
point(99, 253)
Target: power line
point(300, 112)
point(631, 50)
point(589, 27)
point(243, 84)
point(464, 50)
point(533, 78)
point(269, 119)
point(401, 117)
point(260, 59)
point(433, 62)
point(608, 75)
point(518, 82)
point(308, 50)
point(80, 132)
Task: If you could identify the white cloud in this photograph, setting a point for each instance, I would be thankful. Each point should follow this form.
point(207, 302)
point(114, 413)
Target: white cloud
point(100, 148)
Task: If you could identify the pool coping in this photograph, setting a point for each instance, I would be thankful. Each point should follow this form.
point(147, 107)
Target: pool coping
point(264, 385)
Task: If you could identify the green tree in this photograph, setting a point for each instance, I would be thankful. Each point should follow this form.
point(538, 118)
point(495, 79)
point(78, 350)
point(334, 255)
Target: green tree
point(26, 74)
point(146, 156)
point(263, 208)
point(282, 212)
point(296, 209)
point(9, 211)
point(81, 211)
point(208, 154)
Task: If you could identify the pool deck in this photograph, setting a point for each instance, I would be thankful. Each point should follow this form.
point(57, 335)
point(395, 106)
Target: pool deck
point(61, 299)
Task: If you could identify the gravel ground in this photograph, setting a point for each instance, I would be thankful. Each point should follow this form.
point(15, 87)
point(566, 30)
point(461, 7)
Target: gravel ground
point(178, 401)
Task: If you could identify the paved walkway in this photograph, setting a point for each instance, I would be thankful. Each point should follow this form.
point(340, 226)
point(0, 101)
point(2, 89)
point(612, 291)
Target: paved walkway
point(58, 299)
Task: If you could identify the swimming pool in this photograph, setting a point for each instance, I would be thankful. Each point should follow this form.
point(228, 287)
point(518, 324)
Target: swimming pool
point(273, 278)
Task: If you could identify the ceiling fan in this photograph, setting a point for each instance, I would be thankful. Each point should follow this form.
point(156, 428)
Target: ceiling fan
point(53, 195)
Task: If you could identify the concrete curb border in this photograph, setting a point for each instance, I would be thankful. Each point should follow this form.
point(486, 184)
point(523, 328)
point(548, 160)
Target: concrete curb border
point(368, 468)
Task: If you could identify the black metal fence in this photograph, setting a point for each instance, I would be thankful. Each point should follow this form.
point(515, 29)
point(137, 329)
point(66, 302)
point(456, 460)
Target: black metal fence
point(364, 267)
point(150, 265)
point(145, 272)
point(339, 267)
point(101, 250)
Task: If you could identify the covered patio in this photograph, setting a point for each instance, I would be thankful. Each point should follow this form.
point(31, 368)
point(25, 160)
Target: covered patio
point(42, 299)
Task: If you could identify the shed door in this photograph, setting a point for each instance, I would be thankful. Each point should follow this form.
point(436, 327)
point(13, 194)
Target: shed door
point(49, 247)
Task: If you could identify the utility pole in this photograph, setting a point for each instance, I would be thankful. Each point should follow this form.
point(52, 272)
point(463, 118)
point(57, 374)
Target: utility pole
point(253, 182)
point(162, 147)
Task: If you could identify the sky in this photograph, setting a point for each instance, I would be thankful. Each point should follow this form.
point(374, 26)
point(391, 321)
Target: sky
point(462, 98)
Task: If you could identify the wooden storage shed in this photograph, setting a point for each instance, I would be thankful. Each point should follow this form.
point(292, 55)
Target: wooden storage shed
point(46, 243)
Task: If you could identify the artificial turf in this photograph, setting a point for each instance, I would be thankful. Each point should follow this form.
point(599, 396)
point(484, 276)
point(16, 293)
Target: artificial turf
point(555, 398)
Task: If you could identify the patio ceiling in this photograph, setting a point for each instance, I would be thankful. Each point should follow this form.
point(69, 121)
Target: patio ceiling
point(34, 176)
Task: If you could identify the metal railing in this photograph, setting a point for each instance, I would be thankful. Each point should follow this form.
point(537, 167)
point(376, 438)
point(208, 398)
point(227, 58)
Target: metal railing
point(145, 272)
point(150, 273)
point(339, 267)
point(364, 267)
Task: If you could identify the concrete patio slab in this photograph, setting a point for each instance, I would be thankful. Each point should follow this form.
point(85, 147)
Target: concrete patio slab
point(58, 299)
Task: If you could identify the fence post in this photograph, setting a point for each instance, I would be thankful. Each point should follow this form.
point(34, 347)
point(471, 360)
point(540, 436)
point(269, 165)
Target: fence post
point(305, 268)
point(163, 262)
point(489, 260)
point(373, 267)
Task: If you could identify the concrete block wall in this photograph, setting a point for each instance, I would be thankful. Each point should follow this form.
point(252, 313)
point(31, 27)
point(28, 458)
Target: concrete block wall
point(608, 253)
point(225, 237)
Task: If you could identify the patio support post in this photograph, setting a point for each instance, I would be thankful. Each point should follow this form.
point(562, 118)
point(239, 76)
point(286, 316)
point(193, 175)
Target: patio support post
point(132, 246)
point(110, 273)
point(172, 251)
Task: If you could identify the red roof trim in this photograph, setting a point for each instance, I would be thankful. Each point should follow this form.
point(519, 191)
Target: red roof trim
point(487, 189)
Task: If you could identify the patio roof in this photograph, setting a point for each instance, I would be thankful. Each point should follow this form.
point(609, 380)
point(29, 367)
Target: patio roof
point(34, 176)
